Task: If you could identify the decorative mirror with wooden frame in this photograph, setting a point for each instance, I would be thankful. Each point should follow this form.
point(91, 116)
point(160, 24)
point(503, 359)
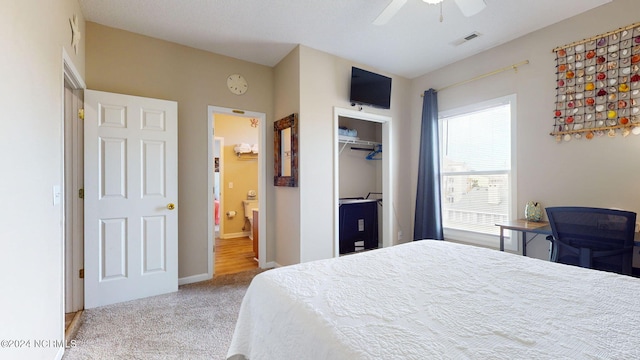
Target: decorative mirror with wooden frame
point(285, 151)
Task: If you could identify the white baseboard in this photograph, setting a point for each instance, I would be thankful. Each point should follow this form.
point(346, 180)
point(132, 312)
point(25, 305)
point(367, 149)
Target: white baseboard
point(271, 265)
point(193, 279)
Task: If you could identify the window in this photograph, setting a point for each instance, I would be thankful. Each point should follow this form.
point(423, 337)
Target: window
point(477, 172)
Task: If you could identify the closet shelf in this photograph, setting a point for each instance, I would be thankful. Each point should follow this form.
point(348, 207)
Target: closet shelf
point(356, 142)
point(247, 156)
point(373, 152)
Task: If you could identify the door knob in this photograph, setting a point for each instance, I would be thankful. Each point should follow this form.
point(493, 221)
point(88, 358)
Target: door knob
point(171, 206)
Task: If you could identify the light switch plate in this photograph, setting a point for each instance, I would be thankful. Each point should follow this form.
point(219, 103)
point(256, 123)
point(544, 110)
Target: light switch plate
point(57, 195)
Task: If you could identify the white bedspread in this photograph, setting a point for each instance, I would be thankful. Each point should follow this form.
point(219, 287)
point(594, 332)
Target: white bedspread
point(438, 300)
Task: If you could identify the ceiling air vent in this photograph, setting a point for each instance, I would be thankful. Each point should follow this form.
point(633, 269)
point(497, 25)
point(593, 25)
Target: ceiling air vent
point(469, 37)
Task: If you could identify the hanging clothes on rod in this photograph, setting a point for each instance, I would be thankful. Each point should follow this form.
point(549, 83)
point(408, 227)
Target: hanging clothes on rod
point(373, 155)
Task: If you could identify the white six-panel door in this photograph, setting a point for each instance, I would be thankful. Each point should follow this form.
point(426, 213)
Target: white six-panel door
point(131, 215)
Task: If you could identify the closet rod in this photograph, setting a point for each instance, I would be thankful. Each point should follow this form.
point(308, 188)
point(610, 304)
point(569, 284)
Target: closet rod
point(510, 67)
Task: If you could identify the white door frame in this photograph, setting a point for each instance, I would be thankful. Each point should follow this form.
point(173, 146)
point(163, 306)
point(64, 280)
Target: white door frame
point(387, 155)
point(73, 246)
point(262, 180)
point(220, 139)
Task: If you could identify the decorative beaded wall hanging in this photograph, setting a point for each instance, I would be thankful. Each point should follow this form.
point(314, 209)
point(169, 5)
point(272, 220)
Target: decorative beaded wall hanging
point(598, 86)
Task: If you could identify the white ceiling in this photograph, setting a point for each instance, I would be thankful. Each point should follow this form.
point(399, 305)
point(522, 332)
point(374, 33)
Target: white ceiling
point(411, 44)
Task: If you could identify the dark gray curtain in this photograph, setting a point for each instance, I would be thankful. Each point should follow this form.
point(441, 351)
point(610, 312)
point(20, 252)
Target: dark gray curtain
point(428, 221)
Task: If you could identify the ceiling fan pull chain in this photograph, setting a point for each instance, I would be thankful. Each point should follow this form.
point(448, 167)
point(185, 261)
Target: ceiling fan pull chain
point(441, 17)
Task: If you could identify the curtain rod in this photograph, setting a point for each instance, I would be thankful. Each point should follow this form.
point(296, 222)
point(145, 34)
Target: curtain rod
point(596, 37)
point(510, 67)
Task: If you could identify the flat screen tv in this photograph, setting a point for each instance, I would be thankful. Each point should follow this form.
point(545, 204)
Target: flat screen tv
point(369, 88)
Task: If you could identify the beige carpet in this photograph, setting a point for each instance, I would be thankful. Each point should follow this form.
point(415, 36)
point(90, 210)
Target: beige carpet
point(196, 322)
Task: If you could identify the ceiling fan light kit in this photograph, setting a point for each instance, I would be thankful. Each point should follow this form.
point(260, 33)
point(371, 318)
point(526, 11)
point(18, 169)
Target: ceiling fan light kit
point(389, 12)
point(467, 7)
point(470, 7)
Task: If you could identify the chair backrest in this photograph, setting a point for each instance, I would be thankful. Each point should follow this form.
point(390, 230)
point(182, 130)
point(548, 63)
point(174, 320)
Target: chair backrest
point(593, 237)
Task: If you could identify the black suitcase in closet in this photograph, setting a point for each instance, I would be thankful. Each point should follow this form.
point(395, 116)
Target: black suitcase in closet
point(358, 223)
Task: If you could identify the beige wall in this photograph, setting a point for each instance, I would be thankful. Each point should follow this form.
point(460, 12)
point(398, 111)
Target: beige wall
point(285, 207)
point(242, 170)
point(33, 35)
point(602, 172)
point(312, 83)
point(123, 62)
point(324, 84)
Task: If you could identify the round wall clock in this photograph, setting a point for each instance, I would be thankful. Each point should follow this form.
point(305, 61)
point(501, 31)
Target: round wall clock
point(237, 84)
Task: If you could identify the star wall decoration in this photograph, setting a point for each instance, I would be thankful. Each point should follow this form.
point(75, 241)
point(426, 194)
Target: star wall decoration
point(75, 33)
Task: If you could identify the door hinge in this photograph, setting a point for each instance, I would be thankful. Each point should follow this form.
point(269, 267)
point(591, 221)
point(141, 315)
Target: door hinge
point(81, 274)
point(81, 114)
point(81, 193)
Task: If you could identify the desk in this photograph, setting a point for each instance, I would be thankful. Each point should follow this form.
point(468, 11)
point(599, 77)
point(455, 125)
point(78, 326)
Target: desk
point(540, 227)
point(524, 226)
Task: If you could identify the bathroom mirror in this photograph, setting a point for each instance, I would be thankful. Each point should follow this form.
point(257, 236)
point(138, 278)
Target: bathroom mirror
point(285, 151)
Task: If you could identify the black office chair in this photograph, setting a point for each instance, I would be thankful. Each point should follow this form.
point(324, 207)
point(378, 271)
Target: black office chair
point(594, 238)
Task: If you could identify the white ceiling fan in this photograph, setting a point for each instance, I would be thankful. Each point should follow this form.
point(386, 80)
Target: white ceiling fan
point(467, 7)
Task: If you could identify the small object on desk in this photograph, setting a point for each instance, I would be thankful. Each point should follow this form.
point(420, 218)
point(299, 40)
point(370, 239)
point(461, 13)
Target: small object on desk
point(533, 211)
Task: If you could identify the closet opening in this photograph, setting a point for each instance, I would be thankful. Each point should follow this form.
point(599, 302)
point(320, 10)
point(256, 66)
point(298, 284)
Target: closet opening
point(362, 181)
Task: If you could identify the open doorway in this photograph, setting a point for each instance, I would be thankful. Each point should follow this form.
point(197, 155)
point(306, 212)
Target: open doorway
point(237, 182)
point(73, 210)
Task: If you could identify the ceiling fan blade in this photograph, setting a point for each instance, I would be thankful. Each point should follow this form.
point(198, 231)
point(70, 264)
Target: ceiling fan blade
point(389, 12)
point(470, 7)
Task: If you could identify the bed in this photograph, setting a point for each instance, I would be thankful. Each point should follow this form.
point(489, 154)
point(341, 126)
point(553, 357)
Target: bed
point(438, 300)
